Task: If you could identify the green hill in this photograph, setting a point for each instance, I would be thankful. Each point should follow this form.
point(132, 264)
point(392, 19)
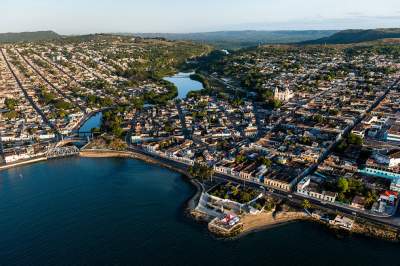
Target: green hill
point(11, 37)
point(242, 39)
point(357, 36)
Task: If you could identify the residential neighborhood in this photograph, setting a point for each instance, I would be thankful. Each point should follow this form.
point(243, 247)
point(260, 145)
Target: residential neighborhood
point(313, 123)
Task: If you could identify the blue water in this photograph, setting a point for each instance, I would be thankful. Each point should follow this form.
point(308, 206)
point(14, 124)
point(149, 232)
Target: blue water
point(81, 211)
point(93, 122)
point(184, 84)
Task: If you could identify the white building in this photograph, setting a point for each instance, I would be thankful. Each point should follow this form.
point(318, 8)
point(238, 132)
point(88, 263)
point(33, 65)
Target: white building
point(391, 159)
point(309, 188)
point(393, 134)
point(283, 96)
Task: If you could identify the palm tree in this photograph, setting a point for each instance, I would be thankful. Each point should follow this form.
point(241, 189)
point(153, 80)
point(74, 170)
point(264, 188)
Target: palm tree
point(306, 204)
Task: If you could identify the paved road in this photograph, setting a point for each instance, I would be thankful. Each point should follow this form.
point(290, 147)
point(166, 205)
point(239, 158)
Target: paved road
point(298, 199)
point(186, 132)
point(30, 100)
point(59, 68)
point(373, 143)
point(349, 128)
point(65, 96)
point(392, 221)
point(224, 83)
point(86, 68)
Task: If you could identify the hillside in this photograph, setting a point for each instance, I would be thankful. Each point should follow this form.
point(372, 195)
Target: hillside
point(242, 39)
point(357, 36)
point(28, 36)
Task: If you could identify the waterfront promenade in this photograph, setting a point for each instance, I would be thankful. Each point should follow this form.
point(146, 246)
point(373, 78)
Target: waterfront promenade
point(180, 167)
point(251, 223)
point(297, 199)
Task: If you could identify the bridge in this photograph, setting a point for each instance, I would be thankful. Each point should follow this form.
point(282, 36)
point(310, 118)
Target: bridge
point(75, 140)
point(77, 137)
point(59, 152)
point(83, 134)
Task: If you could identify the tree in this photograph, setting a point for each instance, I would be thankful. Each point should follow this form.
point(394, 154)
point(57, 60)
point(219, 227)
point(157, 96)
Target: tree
point(274, 103)
point(265, 161)
point(306, 204)
point(341, 197)
point(168, 127)
point(47, 97)
point(237, 102)
point(267, 95)
point(355, 139)
point(118, 144)
point(62, 105)
point(240, 158)
point(246, 197)
point(235, 191)
point(10, 103)
point(305, 140)
point(318, 118)
point(95, 130)
point(137, 102)
point(343, 185)
point(10, 115)
point(333, 111)
point(111, 122)
point(201, 171)
point(106, 101)
point(370, 199)
point(342, 146)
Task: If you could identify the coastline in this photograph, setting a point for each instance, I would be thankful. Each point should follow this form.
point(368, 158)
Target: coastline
point(250, 223)
point(22, 163)
point(191, 203)
point(128, 154)
point(266, 220)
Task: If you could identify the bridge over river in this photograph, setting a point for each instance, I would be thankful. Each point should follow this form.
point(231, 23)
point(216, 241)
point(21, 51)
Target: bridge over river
point(68, 145)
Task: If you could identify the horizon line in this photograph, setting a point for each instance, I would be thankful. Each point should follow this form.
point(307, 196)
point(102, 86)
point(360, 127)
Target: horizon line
point(195, 32)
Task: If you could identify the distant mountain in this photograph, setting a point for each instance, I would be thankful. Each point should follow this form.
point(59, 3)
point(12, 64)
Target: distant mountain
point(241, 39)
point(28, 36)
point(357, 36)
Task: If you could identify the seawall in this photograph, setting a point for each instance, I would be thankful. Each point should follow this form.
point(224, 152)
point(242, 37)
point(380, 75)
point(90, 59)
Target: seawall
point(35, 160)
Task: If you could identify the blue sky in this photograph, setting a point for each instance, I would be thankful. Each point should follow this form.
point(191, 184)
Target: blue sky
point(88, 16)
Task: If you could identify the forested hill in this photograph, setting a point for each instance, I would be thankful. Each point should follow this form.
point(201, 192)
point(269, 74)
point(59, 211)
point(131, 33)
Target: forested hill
point(11, 37)
point(242, 39)
point(357, 36)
